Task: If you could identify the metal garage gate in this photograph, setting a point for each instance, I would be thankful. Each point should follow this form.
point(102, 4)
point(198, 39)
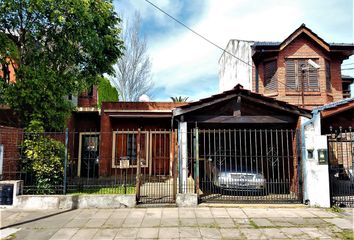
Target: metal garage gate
point(341, 166)
point(246, 165)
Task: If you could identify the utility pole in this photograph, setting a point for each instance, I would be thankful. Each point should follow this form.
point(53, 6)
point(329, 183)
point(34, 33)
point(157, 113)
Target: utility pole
point(302, 85)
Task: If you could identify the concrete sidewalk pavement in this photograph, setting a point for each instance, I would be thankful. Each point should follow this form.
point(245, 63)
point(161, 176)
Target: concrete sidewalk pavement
point(178, 223)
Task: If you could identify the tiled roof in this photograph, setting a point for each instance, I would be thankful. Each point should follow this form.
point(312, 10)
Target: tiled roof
point(333, 104)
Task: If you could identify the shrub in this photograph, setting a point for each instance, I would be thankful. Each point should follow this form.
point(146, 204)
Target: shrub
point(43, 158)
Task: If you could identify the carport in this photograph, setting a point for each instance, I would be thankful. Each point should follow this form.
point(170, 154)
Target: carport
point(239, 146)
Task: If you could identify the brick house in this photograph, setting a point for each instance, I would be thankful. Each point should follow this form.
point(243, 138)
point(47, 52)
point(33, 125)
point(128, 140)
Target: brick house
point(277, 69)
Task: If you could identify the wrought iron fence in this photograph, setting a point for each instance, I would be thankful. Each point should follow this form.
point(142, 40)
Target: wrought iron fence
point(246, 165)
point(341, 166)
point(86, 171)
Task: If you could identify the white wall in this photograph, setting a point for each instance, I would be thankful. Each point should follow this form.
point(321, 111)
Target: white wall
point(352, 90)
point(233, 71)
point(316, 176)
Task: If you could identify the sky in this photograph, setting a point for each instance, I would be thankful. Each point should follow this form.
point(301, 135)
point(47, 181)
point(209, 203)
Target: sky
point(183, 64)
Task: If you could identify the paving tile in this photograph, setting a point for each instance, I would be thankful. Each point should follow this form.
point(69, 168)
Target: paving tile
point(236, 213)
point(151, 222)
point(263, 222)
point(169, 222)
point(220, 213)
point(210, 233)
point(225, 222)
point(304, 213)
point(127, 233)
point(113, 222)
point(294, 233)
point(273, 233)
point(322, 213)
point(230, 233)
point(95, 223)
point(189, 232)
point(64, 233)
point(249, 233)
point(150, 233)
point(103, 213)
point(85, 233)
point(170, 213)
point(168, 232)
point(153, 213)
point(86, 213)
point(105, 234)
point(76, 223)
point(38, 234)
point(242, 222)
point(132, 222)
point(314, 233)
point(186, 213)
point(341, 223)
point(206, 222)
point(120, 213)
point(188, 222)
point(203, 213)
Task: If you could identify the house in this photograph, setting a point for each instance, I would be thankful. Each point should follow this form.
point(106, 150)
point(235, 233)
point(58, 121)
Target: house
point(278, 69)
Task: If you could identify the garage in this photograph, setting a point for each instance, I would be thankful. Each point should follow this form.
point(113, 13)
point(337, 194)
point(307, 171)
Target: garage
point(241, 147)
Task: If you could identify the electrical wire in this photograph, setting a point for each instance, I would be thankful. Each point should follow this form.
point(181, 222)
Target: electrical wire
point(196, 33)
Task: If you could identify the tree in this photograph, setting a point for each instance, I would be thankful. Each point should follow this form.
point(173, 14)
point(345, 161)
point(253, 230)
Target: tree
point(179, 99)
point(106, 93)
point(132, 76)
point(62, 46)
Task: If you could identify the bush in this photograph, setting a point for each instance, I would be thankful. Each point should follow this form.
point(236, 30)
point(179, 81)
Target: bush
point(43, 158)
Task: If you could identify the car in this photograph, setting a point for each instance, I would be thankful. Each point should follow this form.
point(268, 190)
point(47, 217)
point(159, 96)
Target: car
point(240, 180)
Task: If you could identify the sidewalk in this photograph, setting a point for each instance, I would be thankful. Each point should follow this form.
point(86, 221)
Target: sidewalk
point(178, 223)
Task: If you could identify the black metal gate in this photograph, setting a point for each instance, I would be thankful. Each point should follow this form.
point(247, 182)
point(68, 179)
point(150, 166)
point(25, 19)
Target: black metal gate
point(156, 171)
point(247, 165)
point(341, 166)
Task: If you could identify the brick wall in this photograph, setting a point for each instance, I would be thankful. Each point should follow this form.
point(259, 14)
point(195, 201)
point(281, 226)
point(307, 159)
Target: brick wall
point(11, 139)
point(85, 100)
point(303, 47)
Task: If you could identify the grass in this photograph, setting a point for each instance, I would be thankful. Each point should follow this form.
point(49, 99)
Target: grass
point(336, 209)
point(253, 224)
point(346, 235)
point(105, 190)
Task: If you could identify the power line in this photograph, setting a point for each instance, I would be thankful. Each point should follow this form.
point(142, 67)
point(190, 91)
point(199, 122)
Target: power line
point(199, 35)
point(347, 68)
point(346, 64)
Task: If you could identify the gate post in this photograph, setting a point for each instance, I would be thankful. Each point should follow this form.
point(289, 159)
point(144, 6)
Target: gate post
point(196, 160)
point(138, 169)
point(65, 159)
point(182, 156)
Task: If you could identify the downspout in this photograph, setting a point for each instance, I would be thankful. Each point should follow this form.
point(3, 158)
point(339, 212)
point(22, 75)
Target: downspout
point(303, 145)
point(257, 83)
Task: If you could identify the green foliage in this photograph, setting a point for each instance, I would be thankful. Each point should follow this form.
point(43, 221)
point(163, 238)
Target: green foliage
point(106, 93)
point(63, 46)
point(179, 99)
point(43, 158)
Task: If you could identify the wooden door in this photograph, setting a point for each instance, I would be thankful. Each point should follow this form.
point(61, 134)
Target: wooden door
point(160, 153)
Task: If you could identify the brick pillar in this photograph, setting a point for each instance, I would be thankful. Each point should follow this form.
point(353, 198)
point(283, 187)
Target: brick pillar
point(105, 144)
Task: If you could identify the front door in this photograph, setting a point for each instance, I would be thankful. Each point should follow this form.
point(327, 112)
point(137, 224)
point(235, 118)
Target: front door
point(160, 153)
point(89, 155)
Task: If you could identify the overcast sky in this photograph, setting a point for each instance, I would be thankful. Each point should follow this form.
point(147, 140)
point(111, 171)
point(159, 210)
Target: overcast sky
point(185, 65)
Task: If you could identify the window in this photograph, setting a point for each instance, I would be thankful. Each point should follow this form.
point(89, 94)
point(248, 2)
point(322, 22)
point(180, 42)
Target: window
point(125, 146)
point(270, 77)
point(328, 77)
point(298, 70)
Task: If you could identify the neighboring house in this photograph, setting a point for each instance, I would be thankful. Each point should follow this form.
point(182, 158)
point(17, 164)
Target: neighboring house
point(348, 86)
point(278, 69)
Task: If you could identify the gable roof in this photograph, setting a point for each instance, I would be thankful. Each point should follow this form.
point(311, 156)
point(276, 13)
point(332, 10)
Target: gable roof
point(239, 91)
point(277, 46)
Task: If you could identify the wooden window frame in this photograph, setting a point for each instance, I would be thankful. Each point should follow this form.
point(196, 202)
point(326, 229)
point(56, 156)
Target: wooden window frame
point(298, 77)
point(275, 75)
point(116, 134)
point(328, 76)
